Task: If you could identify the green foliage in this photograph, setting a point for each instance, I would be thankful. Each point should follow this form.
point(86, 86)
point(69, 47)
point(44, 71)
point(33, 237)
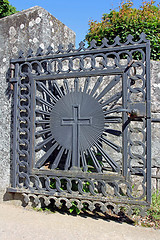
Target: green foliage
point(136, 211)
point(6, 9)
point(154, 210)
point(152, 219)
point(74, 208)
point(129, 20)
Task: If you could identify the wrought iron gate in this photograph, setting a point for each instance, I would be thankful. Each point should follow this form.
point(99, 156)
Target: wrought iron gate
point(82, 125)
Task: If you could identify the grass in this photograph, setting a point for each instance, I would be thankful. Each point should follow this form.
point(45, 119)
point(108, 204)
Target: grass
point(152, 219)
point(154, 210)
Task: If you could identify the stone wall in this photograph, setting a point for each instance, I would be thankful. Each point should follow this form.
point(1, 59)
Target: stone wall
point(31, 28)
point(155, 109)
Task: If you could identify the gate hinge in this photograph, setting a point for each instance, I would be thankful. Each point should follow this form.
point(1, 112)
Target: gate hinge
point(12, 78)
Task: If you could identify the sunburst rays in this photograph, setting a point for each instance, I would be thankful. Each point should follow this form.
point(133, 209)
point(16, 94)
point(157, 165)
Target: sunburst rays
point(95, 104)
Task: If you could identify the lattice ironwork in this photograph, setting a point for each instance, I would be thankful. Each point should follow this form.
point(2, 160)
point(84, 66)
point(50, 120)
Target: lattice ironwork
point(82, 125)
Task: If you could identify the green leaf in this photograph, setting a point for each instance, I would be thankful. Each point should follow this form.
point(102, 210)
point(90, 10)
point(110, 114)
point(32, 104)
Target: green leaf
point(129, 20)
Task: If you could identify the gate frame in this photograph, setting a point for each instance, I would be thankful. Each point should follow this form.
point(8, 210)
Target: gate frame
point(104, 203)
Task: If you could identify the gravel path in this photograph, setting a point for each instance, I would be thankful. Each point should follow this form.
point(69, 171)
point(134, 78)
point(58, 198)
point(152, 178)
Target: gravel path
point(17, 223)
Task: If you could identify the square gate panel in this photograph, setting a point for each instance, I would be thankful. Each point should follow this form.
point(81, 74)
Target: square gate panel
point(82, 125)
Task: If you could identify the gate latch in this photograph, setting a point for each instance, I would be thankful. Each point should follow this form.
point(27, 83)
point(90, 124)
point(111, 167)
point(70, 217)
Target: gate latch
point(137, 109)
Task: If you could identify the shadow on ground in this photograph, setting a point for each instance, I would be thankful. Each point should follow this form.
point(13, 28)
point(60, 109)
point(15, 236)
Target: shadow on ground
point(96, 214)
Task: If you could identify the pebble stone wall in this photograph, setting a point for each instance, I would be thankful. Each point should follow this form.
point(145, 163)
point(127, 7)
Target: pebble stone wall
point(31, 28)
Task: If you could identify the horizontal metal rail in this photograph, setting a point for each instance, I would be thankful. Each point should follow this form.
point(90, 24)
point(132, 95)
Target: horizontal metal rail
point(155, 176)
point(156, 120)
point(79, 74)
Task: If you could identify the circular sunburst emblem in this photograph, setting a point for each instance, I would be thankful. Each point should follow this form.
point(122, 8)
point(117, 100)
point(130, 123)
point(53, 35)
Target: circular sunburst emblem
point(77, 119)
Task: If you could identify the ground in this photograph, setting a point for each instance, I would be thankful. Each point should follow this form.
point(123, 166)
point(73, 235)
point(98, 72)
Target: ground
point(18, 223)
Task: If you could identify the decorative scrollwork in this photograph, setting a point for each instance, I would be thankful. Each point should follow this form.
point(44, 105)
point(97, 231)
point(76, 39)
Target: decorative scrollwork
point(82, 124)
point(105, 207)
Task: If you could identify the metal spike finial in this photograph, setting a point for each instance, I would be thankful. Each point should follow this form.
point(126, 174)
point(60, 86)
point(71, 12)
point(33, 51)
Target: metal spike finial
point(130, 38)
point(39, 52)
point(93, 44)
point(105, 42)
point(70, 47)
point(81, 46)
point(50, 50)
point(60, 49)
point(117, 40)
point(21, 54)
point(30, 53)
point(143, 37)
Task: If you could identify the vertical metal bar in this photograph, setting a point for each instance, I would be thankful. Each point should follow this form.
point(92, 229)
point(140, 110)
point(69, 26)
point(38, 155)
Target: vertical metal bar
point(148, 123)
point(32, 122)
point(124, 125)
point(75, 140)
point(15, 97)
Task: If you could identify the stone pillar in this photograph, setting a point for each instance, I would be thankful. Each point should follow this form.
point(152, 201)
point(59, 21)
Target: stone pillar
point(32, 28)
point(155, 109)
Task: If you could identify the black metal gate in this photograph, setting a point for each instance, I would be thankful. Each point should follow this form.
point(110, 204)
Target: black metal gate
point(82, 125)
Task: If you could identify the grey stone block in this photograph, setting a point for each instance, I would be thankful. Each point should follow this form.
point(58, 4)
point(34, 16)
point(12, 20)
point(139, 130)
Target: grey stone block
point(31, 28)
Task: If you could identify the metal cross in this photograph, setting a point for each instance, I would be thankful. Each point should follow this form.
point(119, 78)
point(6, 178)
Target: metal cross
point(75, 122)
